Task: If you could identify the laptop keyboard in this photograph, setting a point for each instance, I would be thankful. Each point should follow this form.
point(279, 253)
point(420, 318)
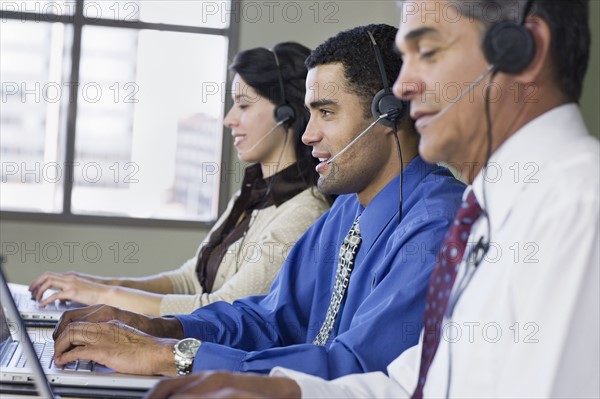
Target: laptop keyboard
point(24, 302)
point(44, 352)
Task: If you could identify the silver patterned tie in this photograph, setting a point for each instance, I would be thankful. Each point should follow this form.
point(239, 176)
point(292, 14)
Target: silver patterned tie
point(342, 277)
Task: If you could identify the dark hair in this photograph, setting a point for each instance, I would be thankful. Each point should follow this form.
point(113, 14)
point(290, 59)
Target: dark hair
point(568, 23)
point(354, 50)
point(258, 68)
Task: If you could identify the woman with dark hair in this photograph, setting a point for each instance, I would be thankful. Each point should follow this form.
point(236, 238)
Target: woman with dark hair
point(278, 201)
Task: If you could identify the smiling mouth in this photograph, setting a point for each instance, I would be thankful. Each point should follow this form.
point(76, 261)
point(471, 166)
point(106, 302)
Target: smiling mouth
point(323, 163)
point(423, 120)
point(238, 139)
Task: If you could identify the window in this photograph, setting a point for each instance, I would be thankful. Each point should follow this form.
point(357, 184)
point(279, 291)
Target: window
point(113, 108)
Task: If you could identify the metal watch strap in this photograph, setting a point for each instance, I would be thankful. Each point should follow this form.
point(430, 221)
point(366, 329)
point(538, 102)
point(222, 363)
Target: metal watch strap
point(184, 354)
point(183, 365)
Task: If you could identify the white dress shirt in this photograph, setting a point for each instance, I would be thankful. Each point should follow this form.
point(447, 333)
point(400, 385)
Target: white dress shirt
point(527, 323)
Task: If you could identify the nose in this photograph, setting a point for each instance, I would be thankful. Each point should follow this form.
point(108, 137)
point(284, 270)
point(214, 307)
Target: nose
point(311, 134)
point(408, 85)
point(231, 118)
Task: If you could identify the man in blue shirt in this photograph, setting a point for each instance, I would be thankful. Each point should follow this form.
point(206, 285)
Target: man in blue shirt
point(380, 311)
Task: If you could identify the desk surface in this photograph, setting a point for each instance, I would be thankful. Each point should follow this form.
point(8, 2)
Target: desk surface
point(8, 391)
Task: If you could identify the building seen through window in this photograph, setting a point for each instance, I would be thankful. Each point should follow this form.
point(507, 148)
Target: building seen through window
point(137, 81)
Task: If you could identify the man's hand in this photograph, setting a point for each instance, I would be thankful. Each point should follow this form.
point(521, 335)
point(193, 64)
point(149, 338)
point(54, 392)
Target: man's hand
point(166, 327)
point(225, 385)
point(115, 345)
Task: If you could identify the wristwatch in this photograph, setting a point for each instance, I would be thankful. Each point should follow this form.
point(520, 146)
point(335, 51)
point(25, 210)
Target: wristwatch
point(185, 351)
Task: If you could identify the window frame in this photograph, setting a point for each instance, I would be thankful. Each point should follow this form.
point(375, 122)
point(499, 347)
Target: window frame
point(78, 20)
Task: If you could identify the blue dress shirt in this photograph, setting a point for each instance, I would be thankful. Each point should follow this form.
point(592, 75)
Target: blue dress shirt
point(383, 310)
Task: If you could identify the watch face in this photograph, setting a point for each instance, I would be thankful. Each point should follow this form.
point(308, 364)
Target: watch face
point(188, 346)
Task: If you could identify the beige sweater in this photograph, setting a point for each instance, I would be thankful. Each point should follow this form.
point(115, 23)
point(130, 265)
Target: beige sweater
point(252, 262)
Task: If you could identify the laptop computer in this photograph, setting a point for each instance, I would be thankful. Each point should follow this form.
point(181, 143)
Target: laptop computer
point(35, 315)
point(24, 354)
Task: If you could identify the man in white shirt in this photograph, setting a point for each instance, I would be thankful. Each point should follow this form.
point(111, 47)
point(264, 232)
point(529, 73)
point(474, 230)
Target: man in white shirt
point(523, 318)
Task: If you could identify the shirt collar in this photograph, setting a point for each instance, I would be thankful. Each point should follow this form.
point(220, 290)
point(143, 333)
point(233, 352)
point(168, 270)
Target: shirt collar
point(383, 208)
point(516, 163)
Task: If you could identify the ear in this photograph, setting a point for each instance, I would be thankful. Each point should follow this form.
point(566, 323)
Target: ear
point(386, 130)
point(540, 31)
point(405, 127)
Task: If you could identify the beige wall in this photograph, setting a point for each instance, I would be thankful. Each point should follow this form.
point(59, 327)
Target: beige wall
point(33, 248)
point(159, 249)
point(590, 103)
point(310, 22)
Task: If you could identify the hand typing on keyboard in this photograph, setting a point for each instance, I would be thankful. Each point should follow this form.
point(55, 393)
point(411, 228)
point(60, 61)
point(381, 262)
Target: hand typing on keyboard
point(26, 302)
point(69, 287)
point(124, 341)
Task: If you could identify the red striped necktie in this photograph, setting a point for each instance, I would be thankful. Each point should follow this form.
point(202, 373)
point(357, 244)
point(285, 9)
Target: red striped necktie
point(442, 280)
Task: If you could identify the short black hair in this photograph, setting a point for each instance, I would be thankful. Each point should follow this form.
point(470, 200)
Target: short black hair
point(354, 50)
point(258, 68)
point(569, 26)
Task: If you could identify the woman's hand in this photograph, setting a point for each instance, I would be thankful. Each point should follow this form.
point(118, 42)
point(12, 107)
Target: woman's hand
point(71, 286)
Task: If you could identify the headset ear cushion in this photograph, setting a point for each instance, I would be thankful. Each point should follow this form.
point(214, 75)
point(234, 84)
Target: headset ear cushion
point(284, 112)
point(385, 102)
point(509, 47)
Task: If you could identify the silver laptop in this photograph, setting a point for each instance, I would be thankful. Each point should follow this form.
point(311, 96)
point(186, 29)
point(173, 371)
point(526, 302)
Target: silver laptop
point(17, 367)
point(30, 310)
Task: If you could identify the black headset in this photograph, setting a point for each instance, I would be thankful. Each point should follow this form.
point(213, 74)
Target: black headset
point(384, 101)
point(283, 113)
point(509, 46)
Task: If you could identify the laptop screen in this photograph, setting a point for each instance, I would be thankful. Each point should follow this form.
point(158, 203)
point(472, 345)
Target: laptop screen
point(4, 330)
point(40, 381)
